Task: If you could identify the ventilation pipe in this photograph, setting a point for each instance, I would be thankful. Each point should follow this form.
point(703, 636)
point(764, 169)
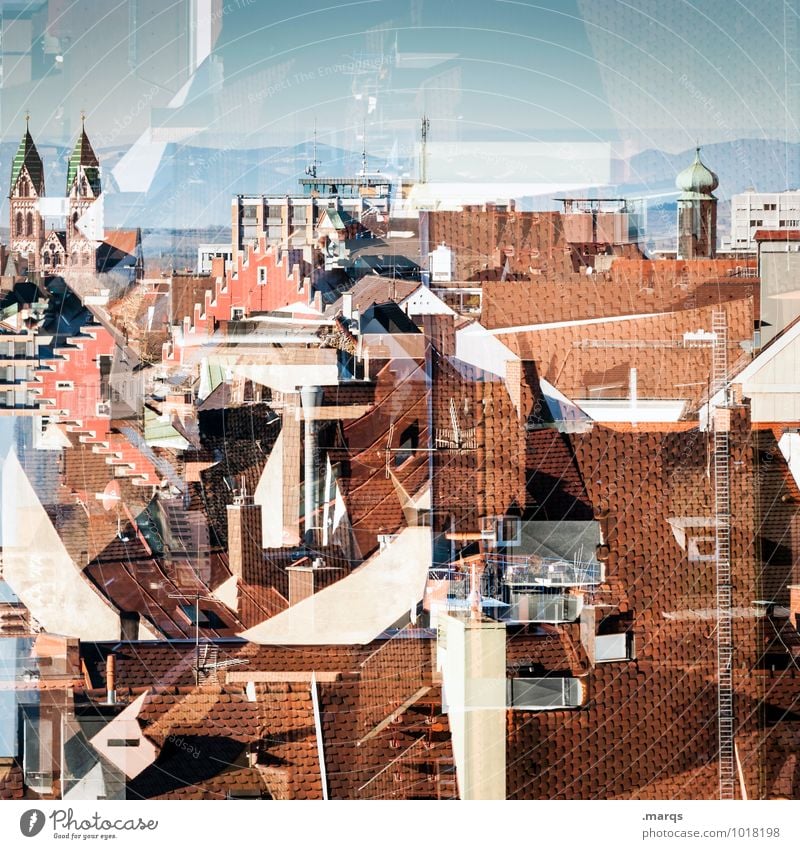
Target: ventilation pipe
point(111, 679)
point(311, 398)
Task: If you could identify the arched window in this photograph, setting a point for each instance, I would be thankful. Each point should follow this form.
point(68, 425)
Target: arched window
point(84, 187)
point(18, 228)
point(56, 260)
point(29, 224)
point(23, 188)
point(46, 257)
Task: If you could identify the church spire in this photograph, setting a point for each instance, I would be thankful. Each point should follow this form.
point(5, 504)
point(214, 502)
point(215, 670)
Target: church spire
point(27, 156)
point(83, 157)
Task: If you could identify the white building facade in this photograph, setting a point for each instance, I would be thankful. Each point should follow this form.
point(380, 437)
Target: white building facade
point(751, 211)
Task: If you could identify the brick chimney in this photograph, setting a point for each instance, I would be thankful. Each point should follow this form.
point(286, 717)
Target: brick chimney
point(245, 554)
point(794, 604)
point(307, 577)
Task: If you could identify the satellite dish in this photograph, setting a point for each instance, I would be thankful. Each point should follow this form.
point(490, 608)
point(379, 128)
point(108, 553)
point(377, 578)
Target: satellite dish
point(111, 495)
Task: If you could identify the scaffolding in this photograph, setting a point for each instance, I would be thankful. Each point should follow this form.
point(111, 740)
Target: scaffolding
point(722, 505)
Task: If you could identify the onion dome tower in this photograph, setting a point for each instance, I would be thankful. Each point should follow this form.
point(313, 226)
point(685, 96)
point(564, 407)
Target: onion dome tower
point(697, 211)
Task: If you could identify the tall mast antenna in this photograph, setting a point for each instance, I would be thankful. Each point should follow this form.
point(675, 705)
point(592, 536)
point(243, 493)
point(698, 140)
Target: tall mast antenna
point(311, 170)
point(364, 151)
point(423, 155)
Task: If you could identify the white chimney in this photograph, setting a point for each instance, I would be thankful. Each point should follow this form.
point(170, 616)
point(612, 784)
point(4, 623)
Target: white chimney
point(311, 398)
point(347, 305)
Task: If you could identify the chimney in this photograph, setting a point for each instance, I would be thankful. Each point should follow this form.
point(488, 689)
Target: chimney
point(307, 578)
point(111, 679)
point(311, 398)
point(794, 604)
point(347, 305)
point(245, 553)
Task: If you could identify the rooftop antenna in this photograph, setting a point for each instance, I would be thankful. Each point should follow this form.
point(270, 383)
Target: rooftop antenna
point(311, 170)
point(364, 151)
point(27, 120)
point(423, 156)
point(197, 597)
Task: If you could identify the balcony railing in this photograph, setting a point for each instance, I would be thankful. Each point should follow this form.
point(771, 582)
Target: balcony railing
point(533, 571)
point(522, 590)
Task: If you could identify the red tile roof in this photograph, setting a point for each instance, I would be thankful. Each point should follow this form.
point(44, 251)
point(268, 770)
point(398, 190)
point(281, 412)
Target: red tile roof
point(631, 287)
point(777, 235)
point(594, 359)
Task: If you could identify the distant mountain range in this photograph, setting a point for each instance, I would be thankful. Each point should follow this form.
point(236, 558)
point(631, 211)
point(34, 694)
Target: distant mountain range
point(192, 187)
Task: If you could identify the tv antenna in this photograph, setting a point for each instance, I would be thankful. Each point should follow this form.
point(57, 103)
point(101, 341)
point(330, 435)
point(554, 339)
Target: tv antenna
point(423, 153)
point(311, 170)
point(364, 151)
point(197, 597)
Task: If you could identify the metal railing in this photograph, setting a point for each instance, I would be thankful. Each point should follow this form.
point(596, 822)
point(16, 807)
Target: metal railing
point(532, 570)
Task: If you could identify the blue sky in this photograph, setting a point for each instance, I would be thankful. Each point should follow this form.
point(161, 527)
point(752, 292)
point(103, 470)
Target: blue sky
point(641, 73)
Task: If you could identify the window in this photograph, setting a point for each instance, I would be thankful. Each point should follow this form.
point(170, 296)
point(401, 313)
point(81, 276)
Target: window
point(18, 227)
point(789, 222)
point(756, 222)
point(770, 207)
point(509, 530)
point(409, 441)
point(29, 224)
point(237, 313)
point(502, 530)
point(262, 276)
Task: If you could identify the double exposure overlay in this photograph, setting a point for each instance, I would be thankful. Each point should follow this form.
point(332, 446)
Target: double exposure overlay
point(399, 401)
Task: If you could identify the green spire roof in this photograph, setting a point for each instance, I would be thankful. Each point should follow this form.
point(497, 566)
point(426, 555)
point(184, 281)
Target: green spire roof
point(697, 180)
point(28, 156)
point(83, 155)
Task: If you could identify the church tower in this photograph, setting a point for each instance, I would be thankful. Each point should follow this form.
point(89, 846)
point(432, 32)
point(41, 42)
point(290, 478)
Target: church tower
point(27, 186)
point(83, 188)
point(697, 211)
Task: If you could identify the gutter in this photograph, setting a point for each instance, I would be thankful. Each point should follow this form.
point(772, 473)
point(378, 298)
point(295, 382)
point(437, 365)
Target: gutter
point(323, 773)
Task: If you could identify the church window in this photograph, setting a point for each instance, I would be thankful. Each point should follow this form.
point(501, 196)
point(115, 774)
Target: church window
point(18, 227)
point(29, 224)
